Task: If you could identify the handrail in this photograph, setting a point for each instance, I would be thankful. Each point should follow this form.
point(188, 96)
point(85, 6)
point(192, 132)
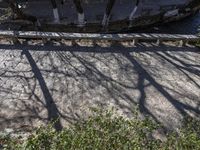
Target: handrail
point(91, 36)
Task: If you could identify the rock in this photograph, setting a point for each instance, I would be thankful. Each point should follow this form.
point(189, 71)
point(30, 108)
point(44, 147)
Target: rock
point(9, 130)
point(159, 134)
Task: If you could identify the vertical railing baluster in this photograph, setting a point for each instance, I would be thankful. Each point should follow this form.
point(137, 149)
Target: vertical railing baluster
point(106, 17)
point(81, 15)
point(55, 11)
point(134, 10)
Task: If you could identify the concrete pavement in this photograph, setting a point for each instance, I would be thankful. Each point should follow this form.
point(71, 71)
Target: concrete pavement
point(41, 82)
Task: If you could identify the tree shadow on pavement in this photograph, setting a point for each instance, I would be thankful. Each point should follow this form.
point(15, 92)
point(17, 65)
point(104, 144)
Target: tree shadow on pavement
point(63, 82)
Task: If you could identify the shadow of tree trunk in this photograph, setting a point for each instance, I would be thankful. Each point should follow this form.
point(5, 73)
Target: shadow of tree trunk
point(53, 112)
point(181, 107)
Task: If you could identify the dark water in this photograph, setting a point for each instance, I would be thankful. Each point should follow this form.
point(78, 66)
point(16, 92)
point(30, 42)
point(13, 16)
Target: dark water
point(189, 25)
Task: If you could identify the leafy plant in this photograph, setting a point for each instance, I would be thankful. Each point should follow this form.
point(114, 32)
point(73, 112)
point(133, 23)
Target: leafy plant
point(106, 130)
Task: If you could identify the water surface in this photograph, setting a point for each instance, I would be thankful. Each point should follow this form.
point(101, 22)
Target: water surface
point(189, 25)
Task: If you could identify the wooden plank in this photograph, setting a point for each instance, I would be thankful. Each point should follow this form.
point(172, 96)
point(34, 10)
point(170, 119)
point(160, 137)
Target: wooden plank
point(90, 36)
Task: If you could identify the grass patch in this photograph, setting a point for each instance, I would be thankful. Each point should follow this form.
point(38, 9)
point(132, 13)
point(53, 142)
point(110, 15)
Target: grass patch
point(107, 131)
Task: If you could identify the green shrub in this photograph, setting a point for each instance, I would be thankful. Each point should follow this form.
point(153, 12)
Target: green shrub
point(188, 137)
point(106, 130)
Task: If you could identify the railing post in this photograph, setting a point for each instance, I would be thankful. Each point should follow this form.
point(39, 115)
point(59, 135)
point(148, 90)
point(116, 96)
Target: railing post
point(182, 43)
point(133, 12)
point(135, 41)
point(55, 11)
point(158, 42)
point(81, 15)
point(106, 16)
